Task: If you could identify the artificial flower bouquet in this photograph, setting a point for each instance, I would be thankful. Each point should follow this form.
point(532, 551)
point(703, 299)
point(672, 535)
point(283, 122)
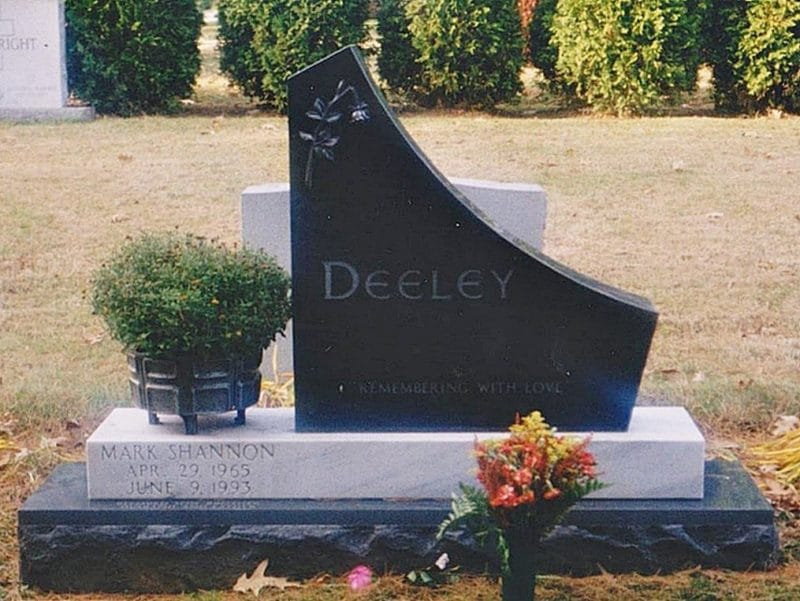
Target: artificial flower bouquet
point(530, 480)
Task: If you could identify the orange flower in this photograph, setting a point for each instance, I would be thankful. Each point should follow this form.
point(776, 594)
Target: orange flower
point(523, 477)
point(503, 497)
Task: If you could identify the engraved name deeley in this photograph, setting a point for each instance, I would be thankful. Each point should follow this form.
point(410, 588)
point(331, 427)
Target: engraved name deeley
point(343, 280)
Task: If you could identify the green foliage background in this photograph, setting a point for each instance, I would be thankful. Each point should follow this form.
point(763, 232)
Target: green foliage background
point(452, 52)
point(470, 51)
point(265, 41)
point(624, 56)
point(768, 56)
point(137, 56)
point(721, 30)
point(542, 52)
point(398, 59)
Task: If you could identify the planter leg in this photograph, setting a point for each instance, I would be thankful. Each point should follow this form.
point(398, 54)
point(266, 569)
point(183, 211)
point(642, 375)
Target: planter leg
point(240, 418)
point(190, 422)
point(152, 417)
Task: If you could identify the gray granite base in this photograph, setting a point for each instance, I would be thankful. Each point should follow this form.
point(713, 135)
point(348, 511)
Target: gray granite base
point(66, 113)
point(70, 544)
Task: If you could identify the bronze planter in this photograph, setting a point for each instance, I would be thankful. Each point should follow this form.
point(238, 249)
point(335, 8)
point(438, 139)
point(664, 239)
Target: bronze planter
point(187, 387)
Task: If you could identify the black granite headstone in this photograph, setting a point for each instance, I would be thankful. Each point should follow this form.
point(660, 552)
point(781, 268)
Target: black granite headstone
point(411, 310)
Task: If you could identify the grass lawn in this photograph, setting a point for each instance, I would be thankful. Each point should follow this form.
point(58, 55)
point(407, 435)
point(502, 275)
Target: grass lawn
point(699, 213)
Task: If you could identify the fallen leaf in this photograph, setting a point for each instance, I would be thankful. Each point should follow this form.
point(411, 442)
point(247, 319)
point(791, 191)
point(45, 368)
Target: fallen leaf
point(51, 443)
point(775, 489)
point(92, 339)
point(258, 581)
point(721, 444)
point(784, 424)
point(725, 454)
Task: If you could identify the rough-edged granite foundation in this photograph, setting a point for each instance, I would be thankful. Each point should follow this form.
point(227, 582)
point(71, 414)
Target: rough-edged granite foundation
point(70, 544)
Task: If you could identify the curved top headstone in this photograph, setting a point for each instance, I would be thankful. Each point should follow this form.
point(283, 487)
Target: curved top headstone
point(411, 310)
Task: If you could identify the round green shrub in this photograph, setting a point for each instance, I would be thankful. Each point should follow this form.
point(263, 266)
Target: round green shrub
point(397, 61)
point(137, 56)
point(624, 56)
point(769, 54)
point(169, 294)
point(265, 41)
point(470, 52)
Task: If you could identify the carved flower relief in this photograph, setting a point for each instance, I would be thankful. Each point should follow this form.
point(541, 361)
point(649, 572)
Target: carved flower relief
point(330, 123)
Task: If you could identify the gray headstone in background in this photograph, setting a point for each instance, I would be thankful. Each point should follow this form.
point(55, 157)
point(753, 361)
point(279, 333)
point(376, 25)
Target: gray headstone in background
point(518, 208)
point(33, 72)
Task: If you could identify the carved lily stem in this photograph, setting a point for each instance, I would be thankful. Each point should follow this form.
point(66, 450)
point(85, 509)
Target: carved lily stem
point(309, 178)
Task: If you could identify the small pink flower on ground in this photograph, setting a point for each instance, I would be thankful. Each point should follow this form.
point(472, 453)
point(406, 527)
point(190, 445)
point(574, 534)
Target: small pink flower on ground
point(359, 578)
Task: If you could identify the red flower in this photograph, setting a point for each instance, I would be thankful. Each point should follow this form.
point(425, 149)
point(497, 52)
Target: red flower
point(552, 494)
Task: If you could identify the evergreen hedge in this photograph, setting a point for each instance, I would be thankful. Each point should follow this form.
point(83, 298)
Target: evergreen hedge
point(723, 24)
point(265, 41)
point(768, 58)
point(137, 56)
point(452, 52)
point(398, 59)
point(624, 56)
point(540, 32)
point(753, 47)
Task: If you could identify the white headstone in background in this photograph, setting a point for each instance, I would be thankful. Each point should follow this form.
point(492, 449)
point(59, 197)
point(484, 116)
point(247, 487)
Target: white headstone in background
point(33, 72)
